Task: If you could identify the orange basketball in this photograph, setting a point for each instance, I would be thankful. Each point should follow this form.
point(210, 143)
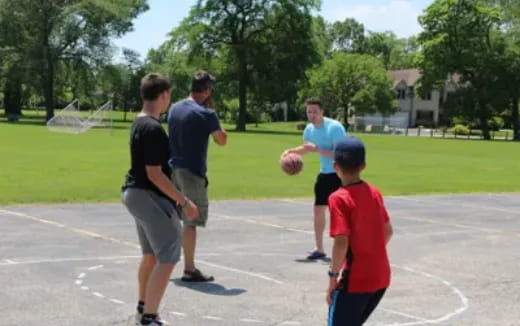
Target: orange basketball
point(291, 164)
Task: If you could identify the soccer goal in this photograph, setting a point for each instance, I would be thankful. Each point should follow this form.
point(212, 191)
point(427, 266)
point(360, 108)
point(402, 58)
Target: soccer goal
point(70, 120)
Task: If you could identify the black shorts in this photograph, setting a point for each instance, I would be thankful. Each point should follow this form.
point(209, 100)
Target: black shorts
point(352, 309)
point(326, 184)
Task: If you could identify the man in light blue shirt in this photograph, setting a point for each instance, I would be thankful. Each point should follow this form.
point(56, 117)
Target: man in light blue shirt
point(319, 137)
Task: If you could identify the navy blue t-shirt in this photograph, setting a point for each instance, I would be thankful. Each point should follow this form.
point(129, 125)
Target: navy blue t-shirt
point(190, 125)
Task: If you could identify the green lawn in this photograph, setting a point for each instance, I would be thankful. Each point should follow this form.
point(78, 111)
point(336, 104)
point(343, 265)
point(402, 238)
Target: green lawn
point(39, 166)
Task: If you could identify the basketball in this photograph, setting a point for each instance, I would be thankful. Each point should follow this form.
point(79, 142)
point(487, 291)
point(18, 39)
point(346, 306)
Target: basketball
point(291, 164)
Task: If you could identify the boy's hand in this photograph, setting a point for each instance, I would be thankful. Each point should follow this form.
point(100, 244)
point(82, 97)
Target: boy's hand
point(191, 210)
point(333, 285)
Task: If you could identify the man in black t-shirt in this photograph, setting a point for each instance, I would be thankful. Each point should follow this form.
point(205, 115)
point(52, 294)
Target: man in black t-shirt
point(149, 195)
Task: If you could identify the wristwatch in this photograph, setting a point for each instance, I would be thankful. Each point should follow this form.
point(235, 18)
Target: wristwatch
point(333, 274)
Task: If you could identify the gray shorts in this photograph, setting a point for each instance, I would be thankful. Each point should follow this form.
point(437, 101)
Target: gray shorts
point(158, 224)
point(196, 189)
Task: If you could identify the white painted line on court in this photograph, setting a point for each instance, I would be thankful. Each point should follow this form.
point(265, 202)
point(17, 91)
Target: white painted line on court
point(131, 244)
point(211, 318)
point(93, 268)
point(464, 300)
point(70, 228)
point(176, 313)
point(82, 275)
point(79, 282)
point(10, 262)
point(291, 323)
point(247, 320)
point(429, 234)
point(66, 260)
point(97, 294)
point(421, 321)
point(272, 225)
point(461, 204)
point(398, 313)
point(116, 301)
point(239, 271)
point(457, 225)
point(84, 288)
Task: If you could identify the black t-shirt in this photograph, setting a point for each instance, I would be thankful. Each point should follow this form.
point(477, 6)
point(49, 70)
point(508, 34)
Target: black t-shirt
point(148, 146)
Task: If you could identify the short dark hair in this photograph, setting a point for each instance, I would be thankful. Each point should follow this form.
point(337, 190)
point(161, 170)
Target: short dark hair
point(314, 101)
point(153, 85)
point(202, 81)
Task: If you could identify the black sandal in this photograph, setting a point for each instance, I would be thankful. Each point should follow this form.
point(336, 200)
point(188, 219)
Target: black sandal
point(196, 276)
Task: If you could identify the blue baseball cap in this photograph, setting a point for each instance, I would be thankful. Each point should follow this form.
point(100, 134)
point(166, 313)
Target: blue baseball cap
point(349, 152)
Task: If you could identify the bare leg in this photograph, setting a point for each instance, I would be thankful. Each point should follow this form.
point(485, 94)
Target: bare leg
point(156, 287)
point(145, 269)
point(319, 226)
point(189, 242)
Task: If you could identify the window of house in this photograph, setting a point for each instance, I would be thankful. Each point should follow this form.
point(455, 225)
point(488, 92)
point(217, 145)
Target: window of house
point(401, 94)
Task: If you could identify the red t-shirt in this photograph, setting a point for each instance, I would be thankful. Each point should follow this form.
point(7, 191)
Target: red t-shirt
point(359, 212)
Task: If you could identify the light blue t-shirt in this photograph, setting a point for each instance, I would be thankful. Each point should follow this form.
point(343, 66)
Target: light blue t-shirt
point(325, 136)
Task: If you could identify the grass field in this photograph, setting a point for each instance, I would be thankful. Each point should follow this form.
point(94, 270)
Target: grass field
point(39, 166)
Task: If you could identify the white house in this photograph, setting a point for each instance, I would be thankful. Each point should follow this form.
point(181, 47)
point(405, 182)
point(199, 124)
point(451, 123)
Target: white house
point(412, 109)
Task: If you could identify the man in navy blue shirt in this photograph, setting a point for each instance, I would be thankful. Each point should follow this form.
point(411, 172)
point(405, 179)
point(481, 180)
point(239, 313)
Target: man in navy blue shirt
point(190, 123)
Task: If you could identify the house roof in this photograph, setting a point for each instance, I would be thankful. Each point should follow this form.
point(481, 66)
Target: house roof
point(408, 76)
point(411, 76)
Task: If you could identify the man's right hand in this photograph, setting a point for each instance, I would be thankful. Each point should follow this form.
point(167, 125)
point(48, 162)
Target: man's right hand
point(191, 210)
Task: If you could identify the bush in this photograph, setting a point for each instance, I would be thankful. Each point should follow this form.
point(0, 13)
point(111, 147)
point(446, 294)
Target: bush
point(496, 123)
point(301, 126)
point(460, 130)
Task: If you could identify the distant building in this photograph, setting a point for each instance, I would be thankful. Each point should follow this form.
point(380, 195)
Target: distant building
point(412, 110)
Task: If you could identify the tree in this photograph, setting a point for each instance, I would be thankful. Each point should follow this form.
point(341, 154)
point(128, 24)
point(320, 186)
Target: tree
point(394, 52)
point(464, 37)
point(59, 31)
point(347, 36)
point(236, 26)
point(352, 81)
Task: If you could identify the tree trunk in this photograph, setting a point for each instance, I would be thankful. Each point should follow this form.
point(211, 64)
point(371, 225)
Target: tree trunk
point(13, 97)
point(48, 88)
point(242, 90)
point(514, 116)
point(484, 116)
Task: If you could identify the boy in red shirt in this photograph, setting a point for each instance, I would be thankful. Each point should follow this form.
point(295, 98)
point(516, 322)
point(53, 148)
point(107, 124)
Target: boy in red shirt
point(361, 229)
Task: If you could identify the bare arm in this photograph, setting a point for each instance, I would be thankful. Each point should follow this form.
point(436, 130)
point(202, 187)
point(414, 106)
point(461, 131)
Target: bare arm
point(161, 181)
point(220, 137)
point(339, 254)
point(309, 148)
point(300, 150)
point(389, 231)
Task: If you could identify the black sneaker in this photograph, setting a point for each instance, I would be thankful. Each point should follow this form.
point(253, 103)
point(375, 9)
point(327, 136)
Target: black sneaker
point(196, 276)
point(315, 254)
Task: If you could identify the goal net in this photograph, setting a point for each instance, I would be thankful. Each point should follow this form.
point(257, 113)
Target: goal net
point(70, 119)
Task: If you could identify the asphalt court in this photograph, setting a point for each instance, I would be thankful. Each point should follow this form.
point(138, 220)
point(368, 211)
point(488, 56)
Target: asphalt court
point(454, 261)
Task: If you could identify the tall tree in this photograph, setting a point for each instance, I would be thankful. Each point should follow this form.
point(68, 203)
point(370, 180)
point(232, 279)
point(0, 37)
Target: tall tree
point(464, 37)
point(65, 30)
point(236, 25)
point(347, 36)
point(352, 81)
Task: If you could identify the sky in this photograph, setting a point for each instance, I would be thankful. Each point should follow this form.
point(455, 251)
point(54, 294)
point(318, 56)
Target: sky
point(399, 16)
